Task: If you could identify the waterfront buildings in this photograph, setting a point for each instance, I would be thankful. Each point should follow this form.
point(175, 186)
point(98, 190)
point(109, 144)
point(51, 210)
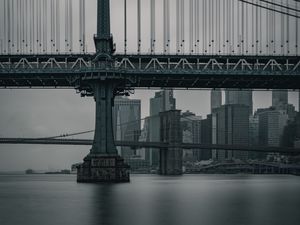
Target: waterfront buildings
point(191, 133)
point(126, 123)
point(279, 99)
point(237, 97)
point(215, 99)
point(230, 125)
point(271, 125)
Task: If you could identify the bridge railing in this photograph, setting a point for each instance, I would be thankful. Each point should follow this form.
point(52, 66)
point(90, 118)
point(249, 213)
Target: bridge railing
point(151, 63)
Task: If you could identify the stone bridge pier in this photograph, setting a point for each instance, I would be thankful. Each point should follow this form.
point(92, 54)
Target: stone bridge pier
point(103, 164)
point(170, 162)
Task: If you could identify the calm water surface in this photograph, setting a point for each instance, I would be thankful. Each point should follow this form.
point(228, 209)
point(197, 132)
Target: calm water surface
point(151, 200)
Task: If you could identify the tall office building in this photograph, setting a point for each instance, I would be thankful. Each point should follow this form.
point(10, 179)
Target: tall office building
point(215, 99)
point(271, 125)
point(126, 122)
point(230, 126)
point(279, 99)
point(236, 97)
point(162, 101)
point(191, 133)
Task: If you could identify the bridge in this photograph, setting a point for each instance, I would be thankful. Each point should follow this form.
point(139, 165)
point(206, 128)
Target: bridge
point(159, 145)
point(218, 44)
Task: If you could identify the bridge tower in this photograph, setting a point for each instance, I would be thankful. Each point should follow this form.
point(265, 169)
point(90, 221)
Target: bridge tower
point(103, 164)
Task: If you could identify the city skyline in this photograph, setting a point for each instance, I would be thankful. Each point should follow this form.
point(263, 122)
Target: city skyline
point(32, 112)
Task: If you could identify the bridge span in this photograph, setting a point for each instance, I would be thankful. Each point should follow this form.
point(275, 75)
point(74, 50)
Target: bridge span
point(159, 145)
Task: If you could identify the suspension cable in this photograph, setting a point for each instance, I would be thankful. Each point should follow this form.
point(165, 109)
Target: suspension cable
point(267, 8)
point(139, 26)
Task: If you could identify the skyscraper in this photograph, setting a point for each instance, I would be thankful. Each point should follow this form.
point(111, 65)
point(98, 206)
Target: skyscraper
point(191, 133)
point(126, 122)
point(279, 99)
point(271, 125)
point(162, 101)
point(230, 125)
point(236, 97)
point(215, 99)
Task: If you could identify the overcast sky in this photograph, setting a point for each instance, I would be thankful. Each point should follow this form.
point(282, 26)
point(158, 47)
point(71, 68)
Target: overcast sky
point(42, 113)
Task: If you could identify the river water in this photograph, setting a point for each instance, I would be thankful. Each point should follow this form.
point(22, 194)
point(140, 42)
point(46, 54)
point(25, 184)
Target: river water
point(151, 200)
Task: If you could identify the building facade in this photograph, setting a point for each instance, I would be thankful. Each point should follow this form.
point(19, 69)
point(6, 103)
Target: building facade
point(215, 99)
point(279, 99)
point(191, 133)
point(237, 97)
point(126, 123)
point(230, 126)
point(271, 125)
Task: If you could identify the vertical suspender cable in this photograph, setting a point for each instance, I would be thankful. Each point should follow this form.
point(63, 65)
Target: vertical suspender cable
point(228, 27)
point(139, 26)
point(71, 25)
point(164, 26)
point(297, 35)
point(152, 25)
point(45, 16)
point(274, 31)
point(268, 30)
point(5, 33)
point(260, 30)
point(282, 29)
point(3, 41)
point(246, 34)
point(209, 24)
point(168, 26)
point(83, 36)
point(37, 26)
point(40, 24)
point(204, 33)
point(10, 28)
point(213, 26)
point(52, 25)
point(177, 26)
point(18, 26)
point(66, 26)
point(57, 17)
point(232, 27)
point(30, 27)
point(80, 25)
point(191, 26)
point(182, 27)
point(253, 23)
point(218, 38)
point(288, 29)
point(26, 18)
point(238, 28)
point(256, 28)
point(242, 41)
point(224, 26)
point(22, 26)
point(125, 27)
point(197, 25)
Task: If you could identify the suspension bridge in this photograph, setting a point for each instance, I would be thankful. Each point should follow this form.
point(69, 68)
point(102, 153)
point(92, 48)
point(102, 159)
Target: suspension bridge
point(166, 44)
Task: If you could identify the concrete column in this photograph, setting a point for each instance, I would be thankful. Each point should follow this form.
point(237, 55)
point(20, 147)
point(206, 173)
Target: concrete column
point(103, 163)
point(104, 138)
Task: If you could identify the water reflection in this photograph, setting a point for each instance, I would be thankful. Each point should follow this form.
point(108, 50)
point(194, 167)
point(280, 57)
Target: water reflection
point(151, 200)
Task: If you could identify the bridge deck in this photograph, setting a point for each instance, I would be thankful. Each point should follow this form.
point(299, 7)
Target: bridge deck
point(160, 145)
point(145, 71)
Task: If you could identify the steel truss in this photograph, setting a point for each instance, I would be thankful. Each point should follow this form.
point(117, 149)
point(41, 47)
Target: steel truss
point(177, 71)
